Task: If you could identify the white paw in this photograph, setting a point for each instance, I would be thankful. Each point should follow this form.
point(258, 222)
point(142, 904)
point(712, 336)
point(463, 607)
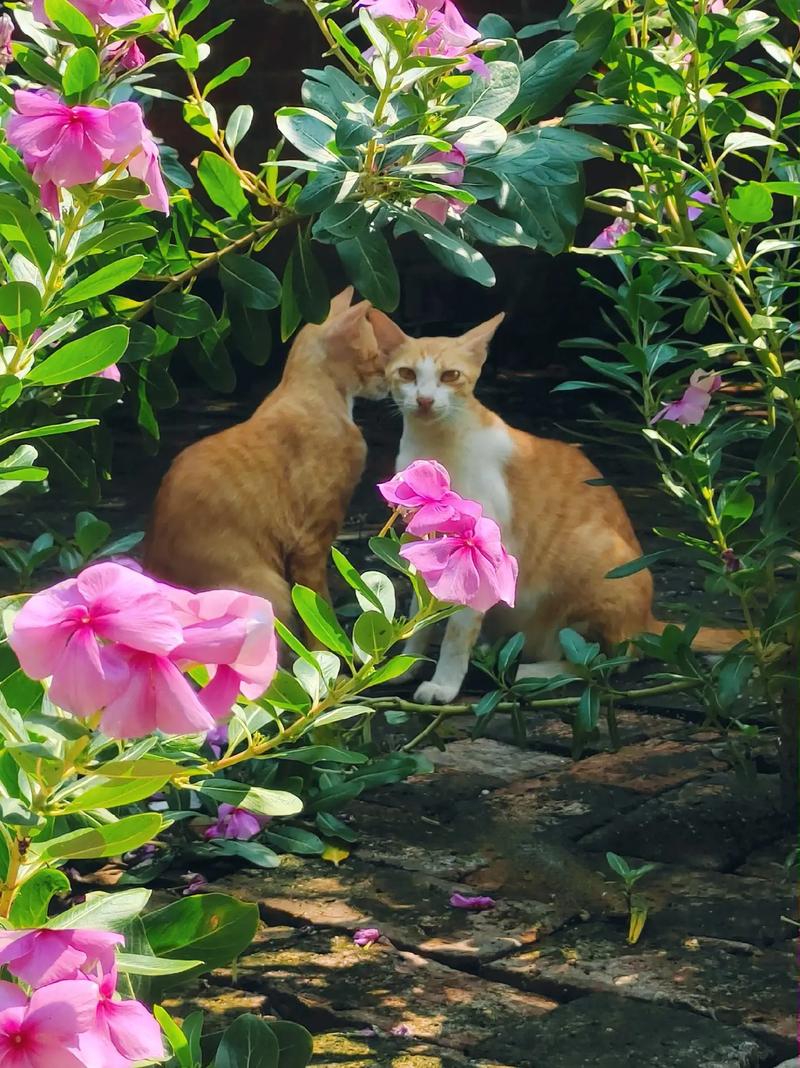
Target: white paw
point(435, 693)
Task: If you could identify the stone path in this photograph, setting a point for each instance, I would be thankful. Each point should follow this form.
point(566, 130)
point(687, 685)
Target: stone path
point(545, 979)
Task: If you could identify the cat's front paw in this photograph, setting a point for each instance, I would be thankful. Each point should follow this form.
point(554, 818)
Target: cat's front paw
point(435, 693)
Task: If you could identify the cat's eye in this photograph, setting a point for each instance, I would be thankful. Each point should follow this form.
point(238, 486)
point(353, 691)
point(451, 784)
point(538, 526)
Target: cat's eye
point(450, 376)
point(406, 374)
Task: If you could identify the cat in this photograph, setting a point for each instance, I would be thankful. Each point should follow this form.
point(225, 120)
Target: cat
point(256, 507)
point(565, 533)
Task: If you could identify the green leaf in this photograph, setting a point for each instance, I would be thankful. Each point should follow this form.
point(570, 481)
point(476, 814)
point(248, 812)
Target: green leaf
point(489, 96)
point(238, 124)
point(372, 635)
point(618, 864)
point(250, 283)
point(253, 798)
point(69, 19)
point(178, 1042)
point(587, 714)
point(235, 70)
point(392, 669)
point(82, 71)
point(21, 229)
point(124, 233)
point(314, 754)
point(487, 704)
point(333, 827)
point(639, 564)
point(295, 1044)
point(222, 183)
point(85, 356)
point(576, 649)
point(105, 912)
point(107, 840)
point(309, 288)
point(549, 74)
point(354, 579)
point(294, 840)
point(369, 265)
point(140, 964)
point(102, 281)
point(183, 314)
point(112, 794)
point(321, 621)
point(286, 692)
point(308, 130)
point(751, 203)
point(32, 900)
point(696, 315)
point(213, 928)
point(248, 1043)
point(20, 307)
point(252, 852)
point(509, 655)
point(338, 715)
point(495, 229)
point(450, 250)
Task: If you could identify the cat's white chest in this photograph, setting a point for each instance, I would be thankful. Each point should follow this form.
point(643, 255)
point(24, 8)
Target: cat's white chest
point(476, 459)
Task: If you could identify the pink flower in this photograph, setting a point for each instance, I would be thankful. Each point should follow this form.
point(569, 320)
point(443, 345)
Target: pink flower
point(609, 237)
point(236, 823)
point(233, 630)
point(157, 696)
point(195, 883)
point(62, 145)
point(127, 54)
point(124, 1032)
point(731, 561)
point(451, 35)
point(57, 632)
point(112, 373)
point(468, 567)
point(401, 1031)
point(696, 200)
point(366, 936)
point(424, 487)
point(133, 141)
point(44, 1032)
point(691, 407)
point(217, 739)
point(6, 33)
point(401, 10)
point(456, 156)
point(477, 904)
point(45, 956)
point(100, 12)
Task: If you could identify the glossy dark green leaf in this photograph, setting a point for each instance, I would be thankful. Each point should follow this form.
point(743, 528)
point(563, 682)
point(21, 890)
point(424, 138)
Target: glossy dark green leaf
point(222, 183)
point(309, 286)
point(248, 1043)
point(101, 281)
point(22, 230)
point(249, 282)
point(294, 840)
point(184, 314)
point(369, 265)
point(82, 357)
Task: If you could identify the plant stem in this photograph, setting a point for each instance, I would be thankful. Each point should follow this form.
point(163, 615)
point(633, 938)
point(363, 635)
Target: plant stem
point(334, 48)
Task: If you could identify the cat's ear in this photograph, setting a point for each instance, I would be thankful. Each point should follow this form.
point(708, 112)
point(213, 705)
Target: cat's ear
point(341, 302)
point(344, 332)
point(387, 333)
point(476, 341)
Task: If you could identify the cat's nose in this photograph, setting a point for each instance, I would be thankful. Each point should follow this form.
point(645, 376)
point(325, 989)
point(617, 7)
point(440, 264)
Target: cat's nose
point(424, 403)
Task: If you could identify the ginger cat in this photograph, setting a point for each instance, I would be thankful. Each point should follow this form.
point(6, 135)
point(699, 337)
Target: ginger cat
point(565, 534)
point(257, 506)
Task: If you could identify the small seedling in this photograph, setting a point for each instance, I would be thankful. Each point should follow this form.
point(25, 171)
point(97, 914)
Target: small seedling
point(637, 906)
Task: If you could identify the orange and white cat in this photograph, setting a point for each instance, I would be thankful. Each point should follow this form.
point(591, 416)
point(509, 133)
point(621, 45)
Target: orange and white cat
point(565, 534)
point(257, 506)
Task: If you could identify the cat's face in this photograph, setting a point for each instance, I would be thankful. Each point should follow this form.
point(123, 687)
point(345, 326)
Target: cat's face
point(432, 378)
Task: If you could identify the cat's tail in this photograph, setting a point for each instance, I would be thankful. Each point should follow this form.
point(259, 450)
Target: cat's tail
point(707, 639)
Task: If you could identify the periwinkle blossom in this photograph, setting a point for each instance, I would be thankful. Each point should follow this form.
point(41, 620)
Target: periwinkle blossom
point(125, 54)
point(6, 33)
point(697, 202)
point(235, 823)
point(449, 36)
point(609, 237)
point(478, 903)
point(114, 13)
point(469, 566)
point(689, 409)
point(112, 373)
point(124, 1033)
point(115, 641)
point(434, 204)
point(217, 739)
point(44, 1031)
point(366, 936)
point(42, 956)
point(731, 561)
point(64, 146)
point(423, 489)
